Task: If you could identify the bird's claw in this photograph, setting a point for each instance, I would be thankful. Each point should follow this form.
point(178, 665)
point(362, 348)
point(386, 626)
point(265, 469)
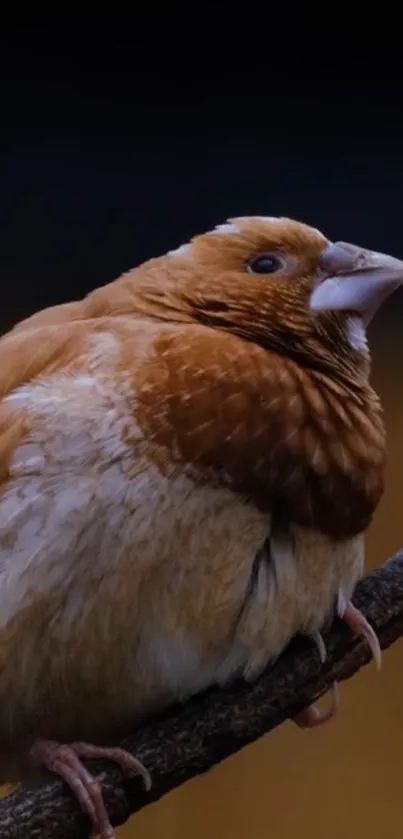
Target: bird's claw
point(358, 624)
point(66, 761)
point(320, 644)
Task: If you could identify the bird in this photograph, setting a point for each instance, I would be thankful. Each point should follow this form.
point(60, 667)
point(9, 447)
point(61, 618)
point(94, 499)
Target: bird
point(190, 458)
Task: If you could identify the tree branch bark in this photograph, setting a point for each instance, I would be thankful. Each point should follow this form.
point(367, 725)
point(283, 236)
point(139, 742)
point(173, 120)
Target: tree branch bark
point(191, 738)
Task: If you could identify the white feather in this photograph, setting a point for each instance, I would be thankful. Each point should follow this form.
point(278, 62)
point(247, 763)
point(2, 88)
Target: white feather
point(183, 250)
point(356, 334)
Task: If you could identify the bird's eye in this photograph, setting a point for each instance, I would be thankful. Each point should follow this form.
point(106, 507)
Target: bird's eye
point(265, 263)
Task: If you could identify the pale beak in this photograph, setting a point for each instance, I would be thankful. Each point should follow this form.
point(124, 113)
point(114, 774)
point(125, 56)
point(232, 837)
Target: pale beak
point(355, 280)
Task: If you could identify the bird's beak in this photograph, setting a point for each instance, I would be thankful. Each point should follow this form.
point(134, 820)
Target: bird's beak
point(355, 280)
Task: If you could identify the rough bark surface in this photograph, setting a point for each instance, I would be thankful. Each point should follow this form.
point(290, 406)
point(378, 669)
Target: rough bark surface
point(190, 739)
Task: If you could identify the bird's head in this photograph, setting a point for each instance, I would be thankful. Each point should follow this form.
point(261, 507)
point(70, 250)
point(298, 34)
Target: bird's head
point(279, 283)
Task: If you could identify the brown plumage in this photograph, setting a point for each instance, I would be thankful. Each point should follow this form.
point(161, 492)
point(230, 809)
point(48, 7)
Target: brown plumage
point(153, 437)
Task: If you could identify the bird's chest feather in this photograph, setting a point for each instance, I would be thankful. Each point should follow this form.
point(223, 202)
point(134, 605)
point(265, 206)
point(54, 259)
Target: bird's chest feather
point(119, 568)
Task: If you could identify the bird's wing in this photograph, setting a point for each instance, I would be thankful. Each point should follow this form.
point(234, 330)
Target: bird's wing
point(26, 356)
point(52, 316)
point(64, 496)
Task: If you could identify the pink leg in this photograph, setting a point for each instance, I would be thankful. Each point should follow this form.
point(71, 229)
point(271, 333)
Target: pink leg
point(311, 717)
point(65, 760)
point(360, 626)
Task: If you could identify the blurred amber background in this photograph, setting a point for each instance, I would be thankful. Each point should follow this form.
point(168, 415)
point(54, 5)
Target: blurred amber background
point(344, 779)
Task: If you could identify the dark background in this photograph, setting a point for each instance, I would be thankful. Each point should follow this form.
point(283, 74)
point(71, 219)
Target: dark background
point(118, 141)
point(121, 140)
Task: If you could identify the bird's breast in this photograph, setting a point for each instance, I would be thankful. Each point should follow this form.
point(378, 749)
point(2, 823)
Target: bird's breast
point(121, 568)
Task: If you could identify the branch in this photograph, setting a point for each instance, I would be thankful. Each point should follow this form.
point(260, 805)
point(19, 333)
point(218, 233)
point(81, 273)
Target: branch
point(191, 738)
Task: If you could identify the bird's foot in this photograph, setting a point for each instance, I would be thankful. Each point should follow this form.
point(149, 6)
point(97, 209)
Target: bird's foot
point(66, 761)
point(358, 624)
point(355, 620)
point(311, 717)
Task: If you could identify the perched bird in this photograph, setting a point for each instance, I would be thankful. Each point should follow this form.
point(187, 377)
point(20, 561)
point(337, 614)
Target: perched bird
point(189, 460)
